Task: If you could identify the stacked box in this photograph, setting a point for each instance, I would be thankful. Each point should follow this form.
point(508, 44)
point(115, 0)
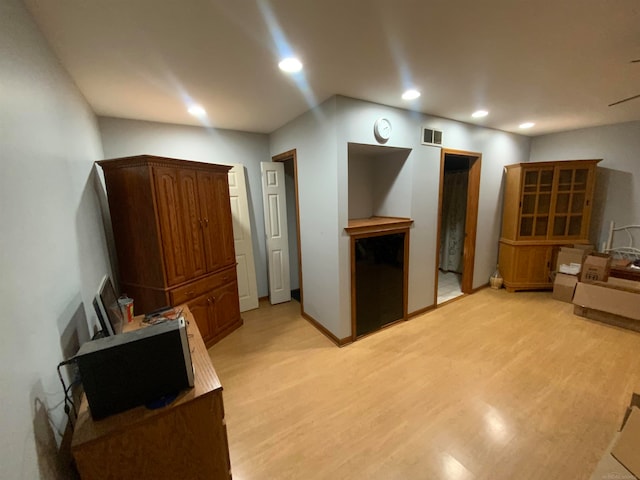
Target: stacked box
point(595, 268)
point(568, 266)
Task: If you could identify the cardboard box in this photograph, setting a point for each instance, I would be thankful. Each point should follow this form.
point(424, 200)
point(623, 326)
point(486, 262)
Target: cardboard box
point(621, 461)
point(609, 468)
point(569, 255)
point(595, 268)
point(627, 448)
point(618, 297)
point(608, 318)
point(564, 287)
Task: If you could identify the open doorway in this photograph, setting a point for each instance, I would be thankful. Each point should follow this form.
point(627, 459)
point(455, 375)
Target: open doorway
point(457, 223)
point(289, 160)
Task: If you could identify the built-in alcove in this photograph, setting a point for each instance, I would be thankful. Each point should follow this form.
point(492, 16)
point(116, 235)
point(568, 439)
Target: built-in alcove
point(379, 203)
point(379, 181)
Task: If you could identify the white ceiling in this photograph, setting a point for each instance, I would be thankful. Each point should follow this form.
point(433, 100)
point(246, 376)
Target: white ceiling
point(557, 63)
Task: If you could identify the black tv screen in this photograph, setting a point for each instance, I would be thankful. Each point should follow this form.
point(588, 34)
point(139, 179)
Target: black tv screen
point(102, 318)
point(109, 302)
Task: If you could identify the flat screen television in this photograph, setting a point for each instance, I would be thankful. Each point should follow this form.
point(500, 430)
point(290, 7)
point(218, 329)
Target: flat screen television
point(107, 308)
point(105, 326)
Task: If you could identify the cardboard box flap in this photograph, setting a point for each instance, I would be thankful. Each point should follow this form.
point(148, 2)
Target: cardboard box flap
point(606, 299)
point(609, 468)
point(627, 448)
point(623, 284)
point(635, 402)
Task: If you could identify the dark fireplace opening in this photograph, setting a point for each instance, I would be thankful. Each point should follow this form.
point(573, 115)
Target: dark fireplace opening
point(379, 281)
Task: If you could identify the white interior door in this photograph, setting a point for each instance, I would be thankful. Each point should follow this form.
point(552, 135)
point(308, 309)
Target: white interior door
point(275, 225)
point(245, 265)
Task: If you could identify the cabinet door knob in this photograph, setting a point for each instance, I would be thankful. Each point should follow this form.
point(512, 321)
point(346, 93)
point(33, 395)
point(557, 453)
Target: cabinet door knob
point(190, 293)
point(209, 300)
point(206, 222)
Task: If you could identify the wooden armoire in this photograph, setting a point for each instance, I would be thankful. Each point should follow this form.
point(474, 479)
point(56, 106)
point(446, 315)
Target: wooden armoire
point(546, 205)
point(173, 234)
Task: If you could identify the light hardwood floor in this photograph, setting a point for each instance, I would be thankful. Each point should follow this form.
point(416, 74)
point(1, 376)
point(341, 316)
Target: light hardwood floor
point(492, 386)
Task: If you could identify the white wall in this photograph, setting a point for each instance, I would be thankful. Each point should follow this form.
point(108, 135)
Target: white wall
point(356, 119)
point(392, 185)
point(313, 135)
point(121, 138)
point(618, 180)
point(322, 137)
point(52, 246)
point(360, 186)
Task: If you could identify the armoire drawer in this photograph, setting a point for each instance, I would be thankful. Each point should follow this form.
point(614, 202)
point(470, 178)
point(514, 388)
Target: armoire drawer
point(195, 289)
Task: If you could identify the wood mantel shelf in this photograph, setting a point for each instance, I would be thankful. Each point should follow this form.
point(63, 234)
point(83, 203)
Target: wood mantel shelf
point(359, 226)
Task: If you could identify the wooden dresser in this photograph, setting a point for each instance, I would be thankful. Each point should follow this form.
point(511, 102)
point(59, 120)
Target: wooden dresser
point(174, 238)
point(546, 205)
point(185, 440)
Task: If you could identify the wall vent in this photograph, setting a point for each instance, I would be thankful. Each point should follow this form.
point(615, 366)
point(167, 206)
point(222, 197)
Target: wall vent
point(431, 137)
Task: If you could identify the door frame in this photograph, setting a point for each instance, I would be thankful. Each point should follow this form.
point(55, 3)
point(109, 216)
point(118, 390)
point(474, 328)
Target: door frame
point(283, 157)
point(471, 219)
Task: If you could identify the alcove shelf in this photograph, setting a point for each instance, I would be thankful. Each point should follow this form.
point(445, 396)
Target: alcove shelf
point(379, 272)
point(357, 226)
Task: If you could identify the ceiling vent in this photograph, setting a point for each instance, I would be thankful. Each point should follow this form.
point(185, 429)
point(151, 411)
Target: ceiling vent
point(431, 137)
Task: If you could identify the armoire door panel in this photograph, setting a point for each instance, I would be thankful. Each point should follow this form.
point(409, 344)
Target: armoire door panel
point(225, 222)
point(200, 309)
point(207, 195)
point(192, 222)
point(217, 224)
point(171, 224)
point(226, 308)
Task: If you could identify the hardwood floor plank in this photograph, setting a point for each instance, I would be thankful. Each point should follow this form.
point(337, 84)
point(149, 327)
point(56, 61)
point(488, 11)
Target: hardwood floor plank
point(492, 386)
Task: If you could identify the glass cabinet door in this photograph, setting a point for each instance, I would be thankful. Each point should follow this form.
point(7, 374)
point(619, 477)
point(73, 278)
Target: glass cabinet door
point(568, 212)
point(535, 204)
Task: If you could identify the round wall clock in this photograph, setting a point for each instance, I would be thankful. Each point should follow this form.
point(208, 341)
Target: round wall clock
point(382, 130)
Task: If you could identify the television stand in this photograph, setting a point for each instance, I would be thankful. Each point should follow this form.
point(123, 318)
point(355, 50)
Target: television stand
point(186, 439)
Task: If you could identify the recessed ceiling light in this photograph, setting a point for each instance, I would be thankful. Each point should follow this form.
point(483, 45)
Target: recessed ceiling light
point(410, 94)
point(197, 110)
point(290, 65)
point(479, 114)
point(527, 125)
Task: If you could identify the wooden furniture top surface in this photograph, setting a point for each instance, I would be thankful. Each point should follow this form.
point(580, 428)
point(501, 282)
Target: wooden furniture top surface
point(621, 271)
point(140, 160)
point(551, 242)
point(205, 381)
point(551, 163)
point(376, 224)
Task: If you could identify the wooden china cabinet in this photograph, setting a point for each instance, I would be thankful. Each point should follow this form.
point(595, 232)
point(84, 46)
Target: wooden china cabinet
point(546, 205)
point(174, 238)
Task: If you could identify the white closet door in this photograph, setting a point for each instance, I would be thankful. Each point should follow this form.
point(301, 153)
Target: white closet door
point(245, 265)
point(275, 226)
